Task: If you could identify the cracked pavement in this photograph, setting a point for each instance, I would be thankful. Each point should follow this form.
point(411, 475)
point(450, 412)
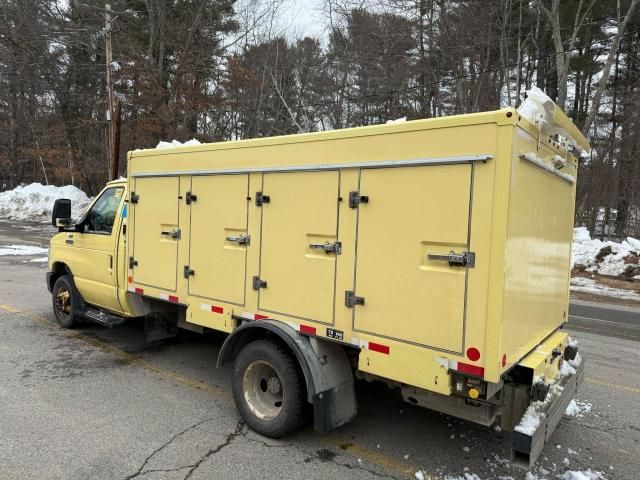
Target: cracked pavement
point(100, 404)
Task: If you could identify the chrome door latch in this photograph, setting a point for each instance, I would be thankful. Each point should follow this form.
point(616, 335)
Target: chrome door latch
point(175, 234)
point(240, 239)
point(464, 259)
point(335, 247)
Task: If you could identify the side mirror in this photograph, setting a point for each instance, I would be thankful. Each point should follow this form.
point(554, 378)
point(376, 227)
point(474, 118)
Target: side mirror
point(61, 216)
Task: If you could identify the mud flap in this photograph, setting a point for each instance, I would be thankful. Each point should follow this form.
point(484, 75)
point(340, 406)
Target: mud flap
point(527, 447)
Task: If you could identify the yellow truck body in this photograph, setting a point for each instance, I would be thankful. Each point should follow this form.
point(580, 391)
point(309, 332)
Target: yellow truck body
point(432, 248)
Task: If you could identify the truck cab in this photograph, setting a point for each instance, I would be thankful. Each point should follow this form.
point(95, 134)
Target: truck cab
point(88, 258)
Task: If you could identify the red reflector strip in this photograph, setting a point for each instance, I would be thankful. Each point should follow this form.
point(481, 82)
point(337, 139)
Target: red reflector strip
point(471, 369)
point(376, 347)
point(139, 291)
point(307, 330)
point(173, 298)
point(257, 316)
point(216, 309)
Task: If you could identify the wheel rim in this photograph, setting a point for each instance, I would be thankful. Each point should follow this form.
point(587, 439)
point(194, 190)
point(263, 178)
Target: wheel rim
point(263, 390)
point(63, 301)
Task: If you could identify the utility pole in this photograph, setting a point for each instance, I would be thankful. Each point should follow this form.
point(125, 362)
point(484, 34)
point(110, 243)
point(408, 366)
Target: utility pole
point(113, 113)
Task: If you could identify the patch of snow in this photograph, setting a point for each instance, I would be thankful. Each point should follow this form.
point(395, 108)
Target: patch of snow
point(34, 202)
point(406, 457)
point(566, 370)
point(588, 285)
point(575, 363)
point(581, 234)
point(530, 421)
point(176, 143)
point(531, 476)
point(398, 120)
point(21, 250)
point(466, 449)
point(634, 242)
point(466, 476)
point(577, 409)
point(419, 475)
point(39, 260)
point(582, 475)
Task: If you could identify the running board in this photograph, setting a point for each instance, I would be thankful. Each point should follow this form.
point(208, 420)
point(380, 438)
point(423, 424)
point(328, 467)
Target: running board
point(102, 318)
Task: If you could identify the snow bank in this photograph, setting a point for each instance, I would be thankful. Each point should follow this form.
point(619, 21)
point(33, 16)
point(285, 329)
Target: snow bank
point(34, 202)
point(588, 285)
point(176, 143)
point(14, 250)
point(605, 258)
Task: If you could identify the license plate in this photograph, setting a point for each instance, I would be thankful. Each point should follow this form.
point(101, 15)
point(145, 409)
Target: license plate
point(335, 334)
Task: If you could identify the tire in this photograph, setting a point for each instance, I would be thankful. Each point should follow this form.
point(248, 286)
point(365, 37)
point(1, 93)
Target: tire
point(64, 302)
point(269, 389)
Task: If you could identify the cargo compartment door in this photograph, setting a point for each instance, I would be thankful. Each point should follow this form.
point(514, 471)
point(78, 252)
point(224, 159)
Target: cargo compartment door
point(299, 229)
point(219, 237)
point(156, 231)
point(414, 217)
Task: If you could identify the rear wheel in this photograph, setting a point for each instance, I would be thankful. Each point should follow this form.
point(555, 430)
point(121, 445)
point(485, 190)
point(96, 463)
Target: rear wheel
point(64, 301)
point(268, 389)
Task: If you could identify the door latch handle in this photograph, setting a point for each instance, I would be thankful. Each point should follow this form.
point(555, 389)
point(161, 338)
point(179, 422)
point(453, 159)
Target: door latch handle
point(175, 233)
point(464, 259)
point(240, 239)
point(335, 247)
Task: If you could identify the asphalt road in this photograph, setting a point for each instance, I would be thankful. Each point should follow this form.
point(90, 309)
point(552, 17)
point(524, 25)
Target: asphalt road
point(615, 320)
point(99, 403)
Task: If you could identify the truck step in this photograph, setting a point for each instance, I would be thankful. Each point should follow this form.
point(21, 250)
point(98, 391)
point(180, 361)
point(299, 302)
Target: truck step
point(106, 319)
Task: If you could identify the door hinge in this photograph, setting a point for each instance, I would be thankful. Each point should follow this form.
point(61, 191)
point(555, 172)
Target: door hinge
point(335, 247)
point(188, 272)
point(258, 284)
point(190, 197)
point(356, 199)
point(351, 300)
point(261, 199)
point(464, 259)
point(134, 197)
point(132, 262)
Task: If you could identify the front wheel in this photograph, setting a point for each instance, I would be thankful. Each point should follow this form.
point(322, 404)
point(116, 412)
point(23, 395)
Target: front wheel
point(64, 302)
point(268, 389)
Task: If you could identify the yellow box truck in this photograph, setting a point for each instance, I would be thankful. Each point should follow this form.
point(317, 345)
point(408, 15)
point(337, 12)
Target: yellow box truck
point(433, 255)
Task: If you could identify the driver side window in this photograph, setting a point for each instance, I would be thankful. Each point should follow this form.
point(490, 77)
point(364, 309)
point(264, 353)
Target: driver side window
point(102, 215)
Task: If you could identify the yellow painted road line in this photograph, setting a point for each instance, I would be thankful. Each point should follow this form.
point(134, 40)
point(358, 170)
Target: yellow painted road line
point(388, 463)
point(120, 354)
point(615, 386)
point(374, 457)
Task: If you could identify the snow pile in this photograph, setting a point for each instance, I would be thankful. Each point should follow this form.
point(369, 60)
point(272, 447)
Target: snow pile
point(176, 143)
point(605, 258)
point(21, 250)
point(35, 202)
point(578, 409)
point(588, 285)
point(582, 475)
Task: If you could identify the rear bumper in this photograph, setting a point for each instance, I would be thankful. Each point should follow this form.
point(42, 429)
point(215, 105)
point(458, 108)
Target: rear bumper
point(528, 444)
